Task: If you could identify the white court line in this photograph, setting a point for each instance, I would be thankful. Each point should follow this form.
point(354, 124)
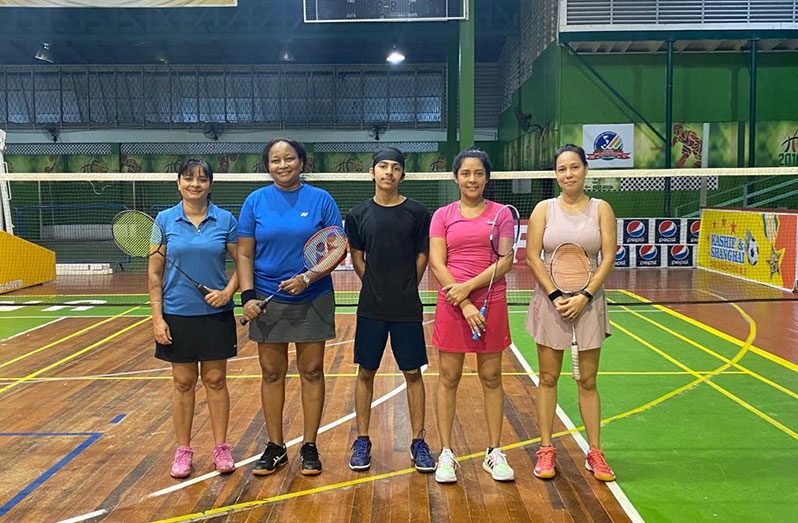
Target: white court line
point(616, 489)
point(32, 328)
point(645, 311)
point(184, 484)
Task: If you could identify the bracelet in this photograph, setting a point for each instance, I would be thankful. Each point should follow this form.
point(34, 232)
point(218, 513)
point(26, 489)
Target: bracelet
point(248, 295)
point(553, 295)
point(589, 296)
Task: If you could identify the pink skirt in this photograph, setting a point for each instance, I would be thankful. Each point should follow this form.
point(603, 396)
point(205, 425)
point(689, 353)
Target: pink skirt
point(452, 333)
point(548, 328)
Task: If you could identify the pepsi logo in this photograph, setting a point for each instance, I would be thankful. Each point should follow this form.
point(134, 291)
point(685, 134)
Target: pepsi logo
point(695, 227)
point(680, 252)
point(620, 253)
point(635, 228)
point(667, 228)
point(648, 252)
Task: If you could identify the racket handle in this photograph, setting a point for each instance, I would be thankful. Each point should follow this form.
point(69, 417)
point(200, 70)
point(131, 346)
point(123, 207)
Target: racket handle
point(483, 311)
point(203, 289)
point(262, 304)
point(575, 374)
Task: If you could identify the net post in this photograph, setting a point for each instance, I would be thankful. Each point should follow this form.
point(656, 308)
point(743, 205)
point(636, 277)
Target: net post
point(5, 191)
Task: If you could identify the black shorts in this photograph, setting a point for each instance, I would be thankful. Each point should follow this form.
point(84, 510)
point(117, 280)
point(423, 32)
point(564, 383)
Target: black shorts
point(199, 338)
point(407, 343)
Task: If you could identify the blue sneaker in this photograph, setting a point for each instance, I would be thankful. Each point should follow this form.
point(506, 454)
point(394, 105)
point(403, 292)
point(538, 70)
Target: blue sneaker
point(422, 458)
point(361, 454)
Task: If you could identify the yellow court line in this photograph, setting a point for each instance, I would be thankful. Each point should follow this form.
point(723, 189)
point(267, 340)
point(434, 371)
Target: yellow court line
point(706, 379)
point(388, 375)
point(756, 350)
point(73, 355)
point(66, 338)
point(709, 351)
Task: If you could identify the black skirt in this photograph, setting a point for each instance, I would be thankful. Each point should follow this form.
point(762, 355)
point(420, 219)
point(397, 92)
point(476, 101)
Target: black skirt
point(199, 338)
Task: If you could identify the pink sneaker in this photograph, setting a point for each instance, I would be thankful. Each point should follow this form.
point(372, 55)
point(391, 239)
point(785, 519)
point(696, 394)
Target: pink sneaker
point(223, 459)
point(544, 466)
point(595, 463)
point(181, 464)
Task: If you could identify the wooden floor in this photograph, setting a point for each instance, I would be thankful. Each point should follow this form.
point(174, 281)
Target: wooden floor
point(108, 407)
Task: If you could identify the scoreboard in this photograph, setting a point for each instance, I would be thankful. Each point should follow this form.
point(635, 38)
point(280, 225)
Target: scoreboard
point(385, 10)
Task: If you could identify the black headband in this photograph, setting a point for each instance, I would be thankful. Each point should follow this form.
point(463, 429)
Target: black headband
point(389, 153)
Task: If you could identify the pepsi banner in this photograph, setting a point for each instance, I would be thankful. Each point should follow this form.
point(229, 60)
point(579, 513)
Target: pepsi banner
point(635, 231)
point(680, 256)
point(622, 256)
point(693, 228)
point(648, 255)
point(667, 231)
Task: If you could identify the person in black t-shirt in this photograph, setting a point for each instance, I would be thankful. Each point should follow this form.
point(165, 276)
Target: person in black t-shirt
point(389, 241)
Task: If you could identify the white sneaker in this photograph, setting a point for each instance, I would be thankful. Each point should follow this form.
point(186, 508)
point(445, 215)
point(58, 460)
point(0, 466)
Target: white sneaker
point(496, 464)
point(445, 473)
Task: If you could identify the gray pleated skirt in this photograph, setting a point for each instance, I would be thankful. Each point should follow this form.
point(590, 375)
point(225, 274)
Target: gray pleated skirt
point(303, 322)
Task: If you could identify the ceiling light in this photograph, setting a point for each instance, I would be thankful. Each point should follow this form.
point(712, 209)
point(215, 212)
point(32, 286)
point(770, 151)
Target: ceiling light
point(285, 55)
point(45, 54)
point(396, 56)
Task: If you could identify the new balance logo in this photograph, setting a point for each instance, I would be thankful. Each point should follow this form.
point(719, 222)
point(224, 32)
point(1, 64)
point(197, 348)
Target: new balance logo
point(304, 214)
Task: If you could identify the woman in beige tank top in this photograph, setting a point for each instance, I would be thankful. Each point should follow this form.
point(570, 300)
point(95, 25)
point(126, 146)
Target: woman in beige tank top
point(577, 218)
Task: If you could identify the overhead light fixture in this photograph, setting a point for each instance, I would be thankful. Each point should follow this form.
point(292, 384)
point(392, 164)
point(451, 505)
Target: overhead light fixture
point(45, 54)
point(396, 56)
point(285, 54)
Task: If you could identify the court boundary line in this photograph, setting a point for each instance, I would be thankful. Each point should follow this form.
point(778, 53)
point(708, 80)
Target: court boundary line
point(616, 490)
point(65, 338)
point(183, 484)
point(32, 328)
point(743, 370)
point(73, 355)
point(725, 336)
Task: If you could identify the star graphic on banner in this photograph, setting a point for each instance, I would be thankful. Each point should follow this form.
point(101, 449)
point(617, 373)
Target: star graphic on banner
point(733, 228)
point(714, 224)
point(774, 261)
point(723, 222)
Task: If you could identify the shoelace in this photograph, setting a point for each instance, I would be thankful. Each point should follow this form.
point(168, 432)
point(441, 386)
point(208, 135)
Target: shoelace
point(596, 459)
point(546, 456)
point(497, 457)
point(310, 453)
point(422, 451)
point(447, 459)
point(219, 450)
point(361, 447)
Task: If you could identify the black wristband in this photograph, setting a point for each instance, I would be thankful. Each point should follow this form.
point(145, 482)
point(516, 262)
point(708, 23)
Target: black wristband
point(589, 296)
point(247, 295)
point(553, 295)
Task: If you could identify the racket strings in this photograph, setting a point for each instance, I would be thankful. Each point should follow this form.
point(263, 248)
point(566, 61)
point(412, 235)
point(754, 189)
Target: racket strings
point(570, 270)
point(505, 231)
point(325, 251)
point(137, 234)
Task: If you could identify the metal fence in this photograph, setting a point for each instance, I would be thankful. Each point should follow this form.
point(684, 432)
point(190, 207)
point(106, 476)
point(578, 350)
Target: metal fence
point(293, 96)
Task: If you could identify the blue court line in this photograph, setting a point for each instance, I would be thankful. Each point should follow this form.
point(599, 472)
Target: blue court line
point(91, 437)
point(118, 418)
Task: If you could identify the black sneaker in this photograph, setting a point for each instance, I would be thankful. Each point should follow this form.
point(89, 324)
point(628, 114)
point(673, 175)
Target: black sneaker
point(273, 457)
point(311, 464)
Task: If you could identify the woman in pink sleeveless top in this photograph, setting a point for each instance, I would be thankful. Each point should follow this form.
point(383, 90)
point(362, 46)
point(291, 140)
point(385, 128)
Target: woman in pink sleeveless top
point(572, 217)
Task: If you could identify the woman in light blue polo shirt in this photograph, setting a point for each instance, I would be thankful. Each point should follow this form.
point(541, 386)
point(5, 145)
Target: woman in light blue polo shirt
point(275, 223)
point(195, 332)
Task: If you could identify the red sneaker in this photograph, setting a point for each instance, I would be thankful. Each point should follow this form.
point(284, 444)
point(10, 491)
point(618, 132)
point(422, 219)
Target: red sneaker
point(595, 463)
point(544, 467)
